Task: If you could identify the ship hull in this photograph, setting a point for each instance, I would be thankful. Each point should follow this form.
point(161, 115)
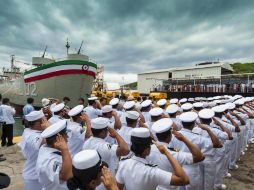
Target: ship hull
point(73, 83)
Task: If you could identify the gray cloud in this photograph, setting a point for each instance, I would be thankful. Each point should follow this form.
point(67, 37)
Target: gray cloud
point(130, 36)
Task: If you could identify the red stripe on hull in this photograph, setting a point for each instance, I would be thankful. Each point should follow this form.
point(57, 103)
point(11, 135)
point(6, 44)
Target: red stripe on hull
point(58, 73)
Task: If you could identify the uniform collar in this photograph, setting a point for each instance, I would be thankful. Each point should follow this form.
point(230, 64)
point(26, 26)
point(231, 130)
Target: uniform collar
point(138, 159)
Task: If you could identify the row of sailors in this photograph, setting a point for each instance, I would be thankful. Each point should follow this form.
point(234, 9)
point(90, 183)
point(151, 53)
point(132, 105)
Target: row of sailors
point(193, 147)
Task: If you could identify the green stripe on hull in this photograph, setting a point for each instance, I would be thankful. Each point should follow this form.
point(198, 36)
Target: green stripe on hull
point(59, 63)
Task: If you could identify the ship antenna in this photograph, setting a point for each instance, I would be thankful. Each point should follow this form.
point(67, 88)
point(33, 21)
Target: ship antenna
point(12, 61)
point(44, 51)
point(80, 47)
point(67, 46)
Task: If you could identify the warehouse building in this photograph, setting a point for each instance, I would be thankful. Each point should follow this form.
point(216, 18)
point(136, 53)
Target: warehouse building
point(148, 80)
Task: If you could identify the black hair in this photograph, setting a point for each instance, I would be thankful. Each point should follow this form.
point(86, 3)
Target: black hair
point(206, 121)
point(163, 136)
point(74, 118)
point(173, 115)
point(139, 98)
point(66, 98)
point(82, 99)
point(144, 98)
point(145, 108)
point(97, 132)
point(91, 102)
point(188, 124)
point(155, 118)
point(81, 178)
point(163, 106)
point(0, 97)
point(219, 115)
point(115, 106)
point(30, 100)
point(5, 100)
point(130, 121)
point(58, 112)
point(198, 108)
point(51, 140)
point(139, 147)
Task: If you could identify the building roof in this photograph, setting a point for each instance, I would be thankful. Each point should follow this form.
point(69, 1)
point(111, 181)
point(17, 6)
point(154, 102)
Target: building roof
point(224, 65)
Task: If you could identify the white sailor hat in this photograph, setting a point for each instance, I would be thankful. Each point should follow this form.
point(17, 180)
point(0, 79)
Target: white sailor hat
point(99, 123)
point(218, 109)
point(187, 106)
point(162, 125)
point(205, 104)
point(146, 103)
point(238, 96)
point(206, 114)
point(57, 107)
point(45, 102)
point(114, 101)
point(132, 115)
point(34, 115)
point(92, 98)
point(106, 109)
point(156, 111)
point(230, 105)
point(140, 133)
point(173, 108)
point(162, 102)
point(54, 129)
point(52, 105)
point(198, 105)
point(217, 101)
point(239, 102)
point(211, 104)
point(173, 101)
point(86, 159)
point(183, 100)
point(128, 105)
point(191, 99)
point(210, 98)
point(188, 116)
point(76, 110)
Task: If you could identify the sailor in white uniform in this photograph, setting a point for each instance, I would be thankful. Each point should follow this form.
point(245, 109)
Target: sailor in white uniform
point(88, 172)
point(173, 111)
point(58, 111)
point(75, 130)
point(173, 101)
point(205, 145)
point(186, 107)
point(93, 110)
point(115, 105)
point(146, 106)
point(54, 166)
point(114, 121)
point(30, 145)
point(162, 103)
point(208, 166)
point(136, 173)
point(162, 128)
point(223, 134)
point(128, 106)
point(109, 153)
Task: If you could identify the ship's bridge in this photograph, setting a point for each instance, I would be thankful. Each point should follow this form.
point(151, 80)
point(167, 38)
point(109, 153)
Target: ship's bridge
point(38, 61)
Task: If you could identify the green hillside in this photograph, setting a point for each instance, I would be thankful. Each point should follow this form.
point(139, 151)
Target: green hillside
point(243, 67)
point(131, 86)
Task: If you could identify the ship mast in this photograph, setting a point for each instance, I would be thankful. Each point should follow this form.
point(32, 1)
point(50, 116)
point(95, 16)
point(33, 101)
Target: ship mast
point(12, 62)
point(44, 52)
point(67, 46)
point(80, 47)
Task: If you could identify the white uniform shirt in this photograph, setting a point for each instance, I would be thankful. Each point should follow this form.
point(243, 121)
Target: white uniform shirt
point(92, 112)
point(155, 157)
point(54, 119)
point(7, 114)
point(30, 145)
point(76, 137)
point(136, 173)
point(147, 116)
point(125, 133)
point(106, 151)
point(48, 167)
point(178, 123)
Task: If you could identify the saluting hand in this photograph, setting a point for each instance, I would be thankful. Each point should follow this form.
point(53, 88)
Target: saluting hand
point(60, 143)
point(84, 117)
point(108, 180)
point(178, 135)
point(112, 132)
point(161, 148)
point(202, 126)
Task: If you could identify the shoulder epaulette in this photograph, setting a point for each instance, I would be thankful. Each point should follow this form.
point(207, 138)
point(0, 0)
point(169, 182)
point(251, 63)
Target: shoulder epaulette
point(58, 153)
point(173, 149)
point(151, 165)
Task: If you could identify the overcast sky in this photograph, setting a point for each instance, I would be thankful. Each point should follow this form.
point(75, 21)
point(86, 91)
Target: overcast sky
point(129, 36)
